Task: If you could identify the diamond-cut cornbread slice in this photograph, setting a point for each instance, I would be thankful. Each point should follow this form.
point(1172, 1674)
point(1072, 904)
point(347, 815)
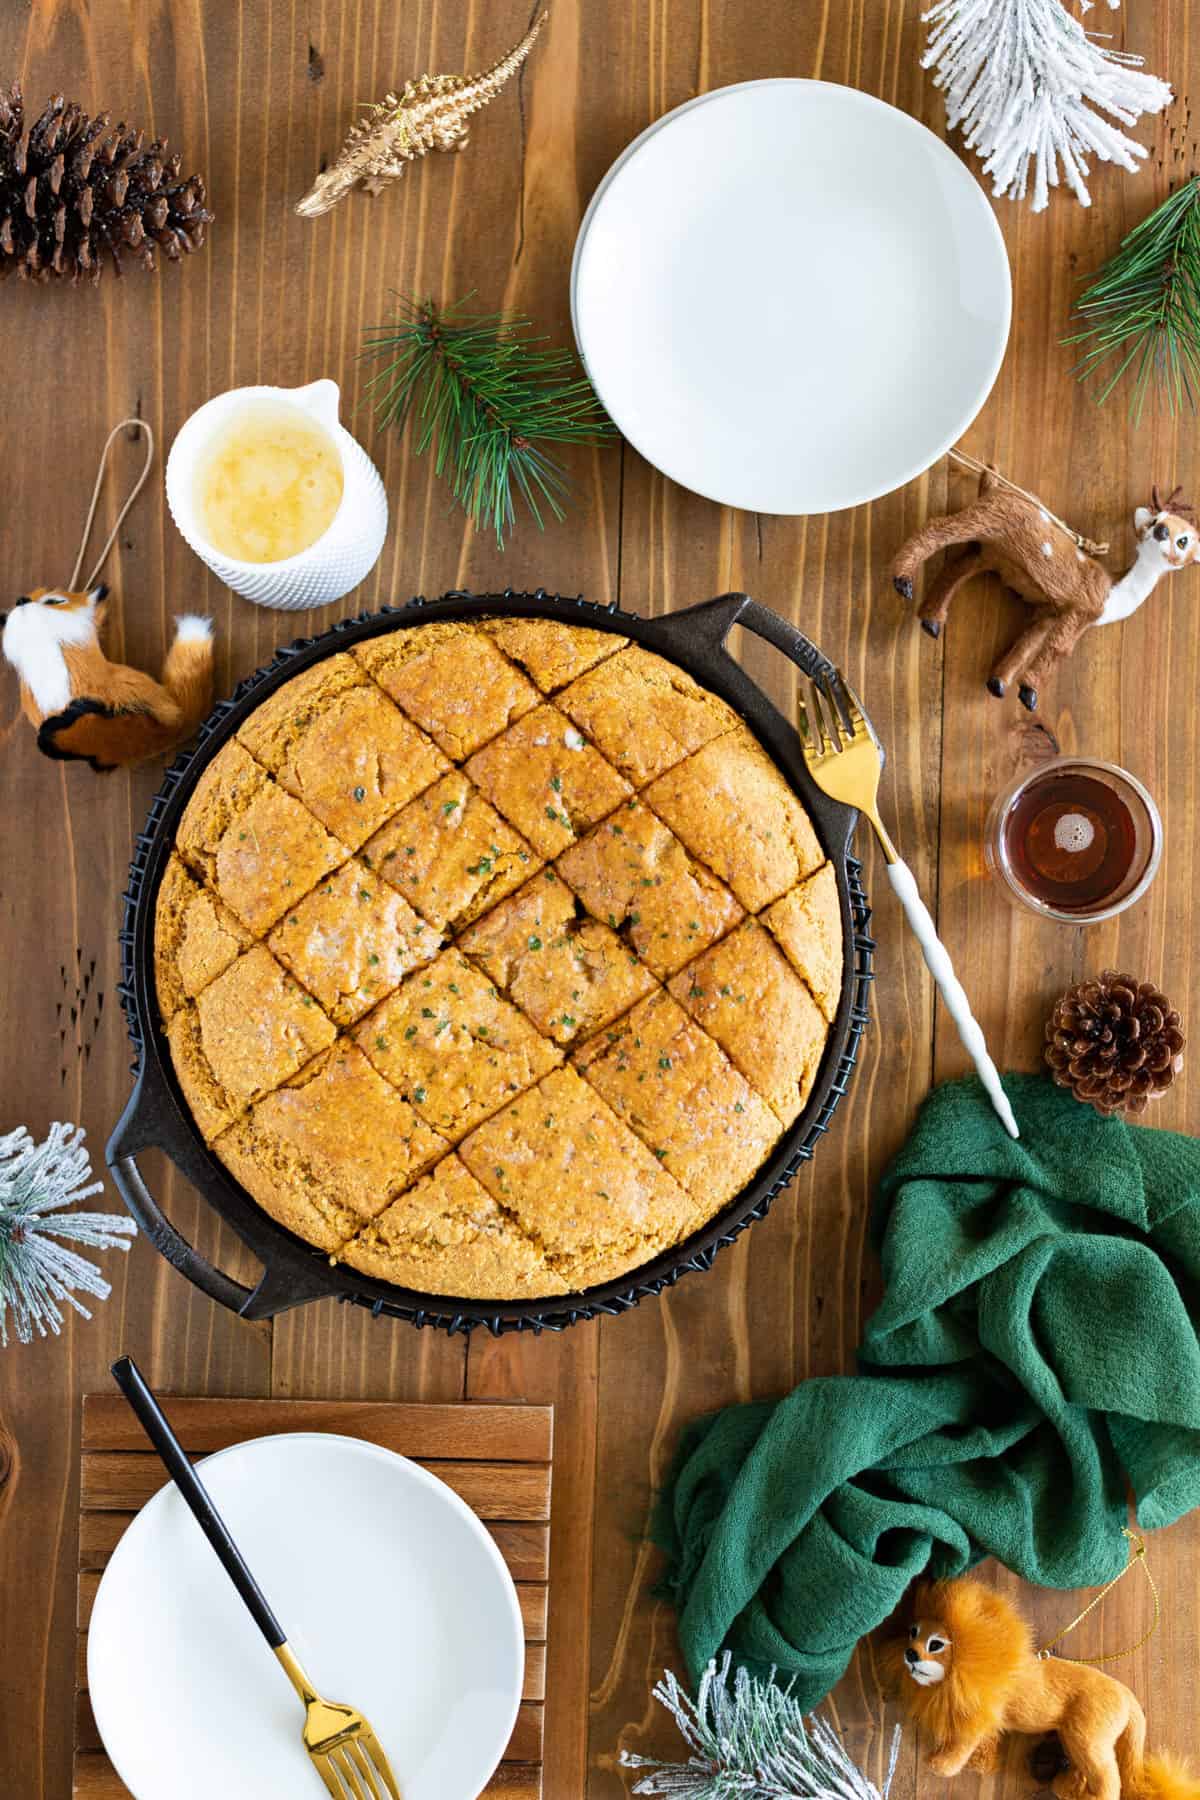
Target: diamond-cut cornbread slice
point(452, 680)
point(250, 1029)
point(352, 940)
point(256, 847)
point(552, 653)
point(644, 713)
point(453, 1046)
point(329, 1150)
point(668, 1080)
point(195, 938)
point(447, 1235)
point(547, 779)
point(450, 853)
point(568, 973)
point(332, 739)
point(634, 874)
point(734, 811)
point(808, 924)
point(747, 995)
point(578, 1180)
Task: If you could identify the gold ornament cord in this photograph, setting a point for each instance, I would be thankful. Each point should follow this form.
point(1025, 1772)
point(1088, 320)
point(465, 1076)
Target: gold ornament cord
point(981, 468)
point(1137, 1554)
point(134, 425)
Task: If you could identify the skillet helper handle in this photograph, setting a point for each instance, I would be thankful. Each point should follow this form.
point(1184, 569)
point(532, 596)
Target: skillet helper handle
point(937, 961)
point(153, 1420)
point(154, 1225)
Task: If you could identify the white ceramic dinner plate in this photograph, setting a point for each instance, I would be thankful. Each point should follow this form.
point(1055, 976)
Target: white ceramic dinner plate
point(790, 296)
point(393, 1596)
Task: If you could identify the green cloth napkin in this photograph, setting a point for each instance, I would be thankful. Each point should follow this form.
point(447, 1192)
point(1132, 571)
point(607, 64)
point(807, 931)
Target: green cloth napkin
point(1034, 1357)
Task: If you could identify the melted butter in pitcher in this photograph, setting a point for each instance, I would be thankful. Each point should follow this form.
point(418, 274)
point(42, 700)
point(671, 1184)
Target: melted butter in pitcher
point(268, 484)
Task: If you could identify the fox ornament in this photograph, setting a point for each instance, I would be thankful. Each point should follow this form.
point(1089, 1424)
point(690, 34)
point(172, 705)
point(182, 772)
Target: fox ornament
point(965, 1668)
point(85, 708)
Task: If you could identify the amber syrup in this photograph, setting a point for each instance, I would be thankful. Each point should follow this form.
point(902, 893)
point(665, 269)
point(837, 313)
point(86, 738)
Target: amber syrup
point(1070, 841)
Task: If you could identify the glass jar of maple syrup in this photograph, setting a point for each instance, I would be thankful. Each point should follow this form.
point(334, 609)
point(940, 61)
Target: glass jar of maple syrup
point(1074, 839)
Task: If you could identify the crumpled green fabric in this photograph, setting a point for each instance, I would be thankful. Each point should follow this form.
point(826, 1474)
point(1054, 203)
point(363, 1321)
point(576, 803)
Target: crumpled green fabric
point(1033, 1360)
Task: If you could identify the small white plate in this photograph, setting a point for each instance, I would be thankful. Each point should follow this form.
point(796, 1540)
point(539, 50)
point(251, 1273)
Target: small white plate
point(790, 296)
point(393, 1596)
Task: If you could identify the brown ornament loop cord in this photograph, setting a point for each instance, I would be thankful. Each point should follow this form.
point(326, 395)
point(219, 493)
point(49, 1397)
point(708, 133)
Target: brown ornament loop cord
point(139, 484)
point(982, 468)
point(1137, 1553)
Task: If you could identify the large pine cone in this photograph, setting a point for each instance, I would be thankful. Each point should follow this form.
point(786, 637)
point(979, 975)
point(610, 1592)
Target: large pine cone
point(1115, 1042)
point(76, 191)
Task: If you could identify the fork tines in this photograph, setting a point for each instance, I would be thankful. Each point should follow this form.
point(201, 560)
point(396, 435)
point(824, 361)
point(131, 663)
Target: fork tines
point(831, 713)
point(353, 1769)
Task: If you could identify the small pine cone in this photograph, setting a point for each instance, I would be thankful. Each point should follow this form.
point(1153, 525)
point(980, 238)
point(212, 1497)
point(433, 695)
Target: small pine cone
point(76, 191)
point(1115, 1042)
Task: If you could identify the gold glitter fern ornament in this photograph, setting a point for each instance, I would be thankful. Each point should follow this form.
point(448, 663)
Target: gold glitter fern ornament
point(431, 114)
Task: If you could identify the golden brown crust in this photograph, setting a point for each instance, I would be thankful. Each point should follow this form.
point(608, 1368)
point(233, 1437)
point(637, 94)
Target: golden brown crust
point(546, 778)
point(569, 974)
point(453, 1046)
point(669, 1082)
point(254, 846)
point(331, 739)
point(352, 940)
point(330, 1149)
point(370, 975)
point(551, 653)
point(451, 854)
point(736, 813)
point(807, 923)
point(747, 995)
point(447, 1235)
point(645, 713)
point(195, 938)
point(452, 680)
point(634, 874)
point(250, 1029)
point(595, 1215)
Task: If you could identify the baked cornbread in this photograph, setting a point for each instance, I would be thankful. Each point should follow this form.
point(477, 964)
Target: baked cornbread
point(545, 777)
point(664, 1075)
point(495, 957)
point(731, 809)
point(195, 938)
point(749, 998)
point(247, 1031)
point(330, 738)
point(352, 940)
point(569, 974)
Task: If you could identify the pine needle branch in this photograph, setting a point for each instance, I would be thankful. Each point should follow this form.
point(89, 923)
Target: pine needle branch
point(483, 395)
point(37, 1273)
point(751, 1741)
point(1141, 315)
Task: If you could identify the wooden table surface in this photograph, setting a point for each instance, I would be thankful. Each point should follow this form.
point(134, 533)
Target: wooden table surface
point(256, 95)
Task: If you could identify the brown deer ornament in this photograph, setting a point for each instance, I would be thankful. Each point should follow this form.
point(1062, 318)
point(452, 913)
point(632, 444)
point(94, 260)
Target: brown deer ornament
point(1012, 536)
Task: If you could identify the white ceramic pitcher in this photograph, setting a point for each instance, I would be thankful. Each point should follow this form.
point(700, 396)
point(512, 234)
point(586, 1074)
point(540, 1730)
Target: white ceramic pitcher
point(346, 551)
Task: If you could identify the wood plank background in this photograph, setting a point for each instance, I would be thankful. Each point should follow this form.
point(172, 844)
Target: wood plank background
point(256, 95)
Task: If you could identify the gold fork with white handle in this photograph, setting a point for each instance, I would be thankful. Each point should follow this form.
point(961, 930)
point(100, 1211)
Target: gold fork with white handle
point(341, 1744)
point(844, 758)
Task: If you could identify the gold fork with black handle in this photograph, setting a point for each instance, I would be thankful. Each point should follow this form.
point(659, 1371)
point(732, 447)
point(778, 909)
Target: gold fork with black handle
point(344, 1749)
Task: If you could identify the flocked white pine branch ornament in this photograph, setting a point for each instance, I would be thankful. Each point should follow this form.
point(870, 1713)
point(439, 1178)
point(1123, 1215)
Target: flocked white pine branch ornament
point(1031, 88)
point(751, 1741)
point(37, 1272)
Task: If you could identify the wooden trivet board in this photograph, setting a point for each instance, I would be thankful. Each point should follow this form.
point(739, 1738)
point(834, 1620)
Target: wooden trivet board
point(497, 1458)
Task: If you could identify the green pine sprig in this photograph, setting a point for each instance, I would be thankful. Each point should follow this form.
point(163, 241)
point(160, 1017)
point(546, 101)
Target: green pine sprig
point(1141, 315)
point(487, 398)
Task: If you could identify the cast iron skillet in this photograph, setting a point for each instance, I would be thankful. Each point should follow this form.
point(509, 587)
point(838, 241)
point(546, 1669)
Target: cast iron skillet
point(293, 1271)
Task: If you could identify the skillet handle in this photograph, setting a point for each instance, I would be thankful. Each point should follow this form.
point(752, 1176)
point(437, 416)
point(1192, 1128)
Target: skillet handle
point(765, 623)
point(154, 1224)
point(137, 1130)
